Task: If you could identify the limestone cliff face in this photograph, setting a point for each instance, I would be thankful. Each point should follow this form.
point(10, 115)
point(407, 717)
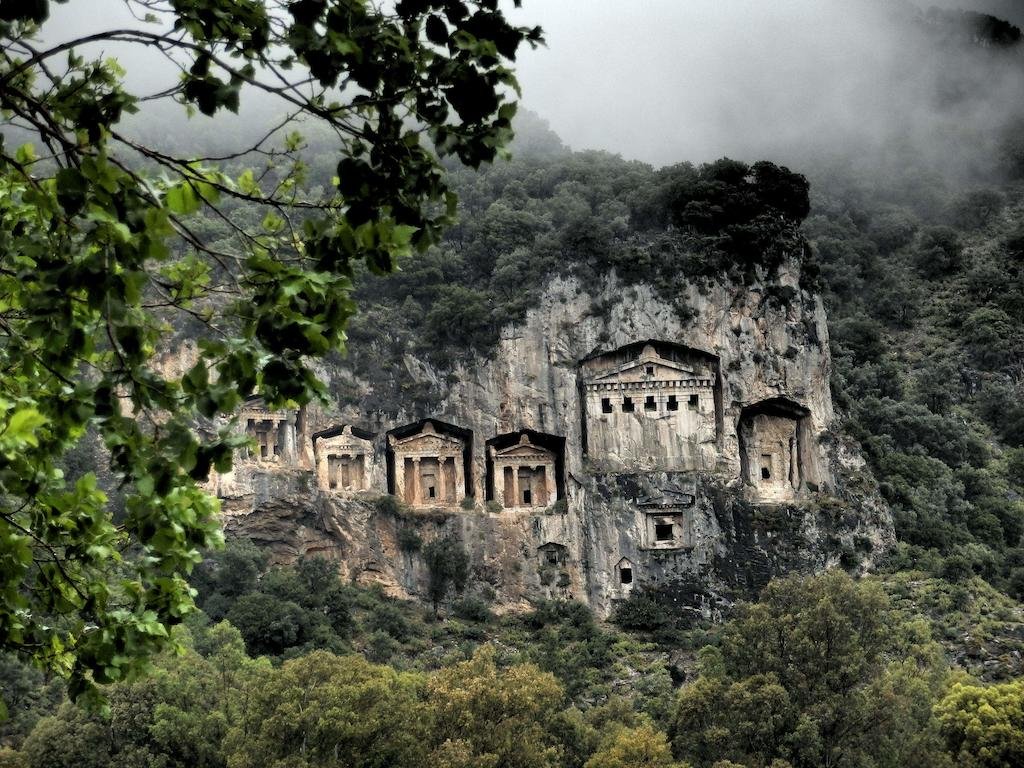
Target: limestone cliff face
point(695, 457)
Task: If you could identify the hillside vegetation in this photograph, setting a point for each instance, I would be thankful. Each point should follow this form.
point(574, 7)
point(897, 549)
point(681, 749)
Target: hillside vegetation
point(922, 274)
point(924, 291)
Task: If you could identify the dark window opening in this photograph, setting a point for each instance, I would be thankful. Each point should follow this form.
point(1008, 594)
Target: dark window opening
point(552, 557)
point(649, 404)
point(650, 370)
point(627, 404)
point(626, 575)
point(766, 466)
point(334, 483)
point(277, 450)
point(430, 492)
point(263, 451)
point(693, 401)
point(606, 405)
point(527, 496)
point(663, 532)
point(673, 403)
point(766, 474)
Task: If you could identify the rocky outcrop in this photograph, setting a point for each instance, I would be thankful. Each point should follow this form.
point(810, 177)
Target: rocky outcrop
point(694, 526)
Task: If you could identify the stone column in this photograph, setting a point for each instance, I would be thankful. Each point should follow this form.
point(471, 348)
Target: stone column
point(359, 472)
point(400, 476)
point(441, 461)
point(460, 479)
point(271, 434)
point(544, 483)
point(516, 498)
point(794, 464)
point(288, 452)
point(499, 482)
point(416, 498)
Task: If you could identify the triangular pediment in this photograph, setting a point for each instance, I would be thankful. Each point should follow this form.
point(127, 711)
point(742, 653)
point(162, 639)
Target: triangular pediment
point(524, 450)
point(434, 437)
point(257, 406)
point(662, 368)
point(428, 438)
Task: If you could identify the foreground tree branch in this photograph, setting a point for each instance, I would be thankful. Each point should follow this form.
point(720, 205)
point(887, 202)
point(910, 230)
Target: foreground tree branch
point(101, 247)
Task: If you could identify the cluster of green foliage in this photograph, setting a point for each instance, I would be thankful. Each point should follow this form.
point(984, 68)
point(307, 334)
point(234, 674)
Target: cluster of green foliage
point(99, 254)
point(925, 293)
point(284, 612)
point(822, 671)
point(584, 214)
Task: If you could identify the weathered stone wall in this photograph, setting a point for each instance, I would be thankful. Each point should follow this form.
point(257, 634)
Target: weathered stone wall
point(719, 545)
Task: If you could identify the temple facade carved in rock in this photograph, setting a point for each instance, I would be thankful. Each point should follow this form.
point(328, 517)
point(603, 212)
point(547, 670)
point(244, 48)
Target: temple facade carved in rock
point(429, 465)
point(572, 473)
point(776, 458)
point(343, 458)
point(647, 411)
point(279, 435)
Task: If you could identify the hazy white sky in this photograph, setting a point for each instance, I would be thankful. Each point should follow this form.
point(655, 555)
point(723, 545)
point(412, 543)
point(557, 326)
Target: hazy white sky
point(666, 80)
point(671, 80)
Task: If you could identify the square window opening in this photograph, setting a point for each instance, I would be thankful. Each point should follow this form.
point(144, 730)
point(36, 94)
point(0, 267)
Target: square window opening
point(552, 557)
point(694, 400)
point(627, 404)
point(663, 532)
point(673, 403)
point(625, 575)
point(650, 404)
point(606, 405)
point(527, 496)
point(650, 370)
point(263, 451)
point(431, 493)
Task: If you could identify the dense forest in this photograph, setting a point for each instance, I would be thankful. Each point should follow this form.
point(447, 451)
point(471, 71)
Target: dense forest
point(921, 270)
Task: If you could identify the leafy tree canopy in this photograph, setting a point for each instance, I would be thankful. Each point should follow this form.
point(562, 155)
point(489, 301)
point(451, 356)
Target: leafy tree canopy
point(807, 676)
point(102, 253)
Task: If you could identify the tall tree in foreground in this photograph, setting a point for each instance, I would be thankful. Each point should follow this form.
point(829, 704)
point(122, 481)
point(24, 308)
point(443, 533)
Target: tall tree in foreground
point(100, 252)
point(821, 672)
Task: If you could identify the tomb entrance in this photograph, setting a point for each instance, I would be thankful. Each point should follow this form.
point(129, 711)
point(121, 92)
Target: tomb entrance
point(343, 457)
point(651, 406)
point(428, 464)
point(524, 469)
point(774, 440)
point(275, 432)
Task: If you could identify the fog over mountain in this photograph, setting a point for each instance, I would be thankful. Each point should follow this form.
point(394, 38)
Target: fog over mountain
point(664, 81)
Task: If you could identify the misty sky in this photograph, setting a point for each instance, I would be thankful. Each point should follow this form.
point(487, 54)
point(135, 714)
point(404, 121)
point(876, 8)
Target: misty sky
point(670, 80)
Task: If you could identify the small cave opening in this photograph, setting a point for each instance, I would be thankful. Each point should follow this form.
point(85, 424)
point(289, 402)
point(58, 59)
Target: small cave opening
point(624, 570)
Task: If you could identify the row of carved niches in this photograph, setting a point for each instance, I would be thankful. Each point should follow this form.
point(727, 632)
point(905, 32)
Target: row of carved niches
point(651, 406)
point(777, 460)
point(429, 464)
